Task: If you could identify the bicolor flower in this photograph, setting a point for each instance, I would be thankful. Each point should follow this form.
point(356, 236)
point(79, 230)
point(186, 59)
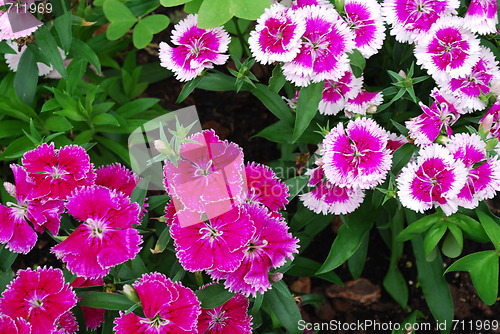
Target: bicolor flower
point(269, 247)
point(434, 180)
point(412, 19)
point(217, 243)
point(57, 172)
point(468, 89)
point(356, 156)
point(40, 296)
point(364, 17)
point(229, 318)
point(106, 237)
point(448, 50)
point(117, 177)
point(15, 231)
point(327, 198)
point(363, 102)
point(337, 92)
point(277, 35)
point(482, 16)
point(483, 180)
point(395, 141)
point(491, 121)
point(434, 120)
point(264, 187)
point(324, 47)
point(196, 49)
point(176, 311)
point(296, 4)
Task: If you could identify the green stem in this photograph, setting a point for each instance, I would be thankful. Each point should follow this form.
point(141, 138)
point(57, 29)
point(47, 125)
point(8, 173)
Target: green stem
point(240, 37)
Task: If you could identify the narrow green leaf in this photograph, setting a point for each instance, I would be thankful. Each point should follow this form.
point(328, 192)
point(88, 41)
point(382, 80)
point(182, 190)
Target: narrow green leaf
point(133, 108)
point(48, 46)
point(63, 25)
point(356, 262)
point(17, 148)
point(273, 102)
point(277, 80)
point(26, 79)
point(453, 243)
point(402, 156)
point(7, 258)
point(5, 48)
point(162, 242)
point(281, 302)
point(213, 296)
point(83, 50)
point(108, 301)
point(307, 108)
point(304, 267)
point(10, 128)
point(115, 147)
point(58, 123)
point(434, 286)
point(188, 89)
point(420, 226)
point(433, 236)
point(295, 185)
point(105, 119)
point(470, 226)
point(491, 228)
point(140, 191)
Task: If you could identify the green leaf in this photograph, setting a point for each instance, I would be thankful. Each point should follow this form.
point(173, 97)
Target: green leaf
point(281, 302)
point(350, 236)
point(249, 9)
point(491, 228)
point(420, 226)
point(453, 242)
point(140, 191)
point(121, 18)
point(48, 46)
point(274, 103)
point(433, 237)
point(295, 185)
point(304, 267)
point(162, 242)
point(213, 296)
point(483, 269)
point(356, 262)
point(63, 25)
point(5, 48)
point(17, 148)
point(173, 3)
point(147, 27)
point(357, 62)
point(81, 49)
point(10, 128)
point(105, 119)
point(470, 226)
point(434, 286)
point(108, 301)
point(26, 79)
point(402, 156)
point(135, 107)
point(188, 88)
point(307, 108)
point(7, 258)
point(277, 80)
point(214, 13)
point(58, 123)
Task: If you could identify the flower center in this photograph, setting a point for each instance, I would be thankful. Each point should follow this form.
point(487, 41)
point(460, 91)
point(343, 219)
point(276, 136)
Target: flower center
point(158, 321)
point(204, 171)
point(56, 173)
point(97, 227)
point(211, 232)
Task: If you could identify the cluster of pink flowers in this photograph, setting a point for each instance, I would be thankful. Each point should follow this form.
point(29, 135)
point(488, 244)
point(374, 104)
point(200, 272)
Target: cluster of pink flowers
point(353, 158)
point(458, 174)
point(196, 49)
point(38, 302)
point(223, 215)
point(446, 45)
point(53, 181)
point(313, 40)
point(179, 311)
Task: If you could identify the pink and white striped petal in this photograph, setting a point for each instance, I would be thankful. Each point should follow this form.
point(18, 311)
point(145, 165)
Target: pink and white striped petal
point(482, 16)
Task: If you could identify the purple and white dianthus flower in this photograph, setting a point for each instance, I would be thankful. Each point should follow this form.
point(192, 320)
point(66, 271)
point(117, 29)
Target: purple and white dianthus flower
point(337, 92)
point(482, 16)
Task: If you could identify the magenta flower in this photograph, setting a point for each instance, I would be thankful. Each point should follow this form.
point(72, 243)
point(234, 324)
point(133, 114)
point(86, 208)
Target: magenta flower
point(176, 311)
point(336, 93)
point(447, 50)
point(324, 47)
point(217, 243)
point(364, 17)
point(15, 231)
point(117, 177)
point(412, 19)
point(229, 318)
point(434, 179)
point(197, 49)
point(327, 198)
point(469, 89)
point(356, 156)
point(483, 180)
point(9, 325)
point(277, 35)
point(364, 102)
point(482, 16)
point(57, 172)
point(296, 4)
point(41, 297)
point(208, 178)
point(434, 121)
point(492, 117)
point(269, 247)
point(106, 236)
point(264, 187)
point(93, 317)
point(66, 324)
point(395, 141)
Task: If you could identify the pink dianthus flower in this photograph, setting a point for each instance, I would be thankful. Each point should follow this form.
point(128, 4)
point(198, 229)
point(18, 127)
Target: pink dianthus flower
point(269, 247)
point(229, 318)
point(337, 92)
point(363, 102)
point(356, 156)
point(196, 49)
point(482, 16)
point(434, 179)
point(176, 311)
point(40, 296)
point(57, 172)
point(106, 236)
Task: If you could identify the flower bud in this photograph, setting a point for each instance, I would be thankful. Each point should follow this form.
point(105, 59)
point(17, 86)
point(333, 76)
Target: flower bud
point(163, 147)
point(275, 277)
point(129, 291)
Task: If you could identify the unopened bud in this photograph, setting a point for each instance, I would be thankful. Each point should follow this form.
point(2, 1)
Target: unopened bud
point(442, 139)
point(339, 6)
point(495, 88)
point(10, 188)
point(371, 109)
point(129, 291)
point(276, 277)
point(485, 126)
point(163, 147)
point(402, 73)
